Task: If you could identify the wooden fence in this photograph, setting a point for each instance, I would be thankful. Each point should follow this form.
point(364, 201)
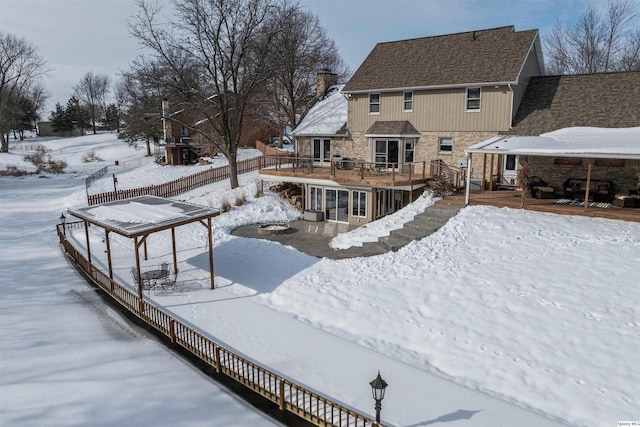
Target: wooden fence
point(180, 185)
point(287, 394)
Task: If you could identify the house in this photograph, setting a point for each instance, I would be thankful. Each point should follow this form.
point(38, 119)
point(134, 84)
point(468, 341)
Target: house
point(180, 139)
point(561, 107)
point(412, 108)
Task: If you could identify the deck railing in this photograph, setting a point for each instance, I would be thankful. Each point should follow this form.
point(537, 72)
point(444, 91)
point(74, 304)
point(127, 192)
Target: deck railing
point(180, 185)
point(286, 393)
point(349, 167)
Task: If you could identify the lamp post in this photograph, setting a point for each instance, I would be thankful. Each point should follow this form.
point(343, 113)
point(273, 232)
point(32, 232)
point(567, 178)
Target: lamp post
point(378, 385)
point(63, 221)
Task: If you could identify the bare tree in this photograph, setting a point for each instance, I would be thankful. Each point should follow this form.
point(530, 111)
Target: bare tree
point(21, 69)
point(596, 42)
point(92, 93)
point(225, 43)
point(301, 49)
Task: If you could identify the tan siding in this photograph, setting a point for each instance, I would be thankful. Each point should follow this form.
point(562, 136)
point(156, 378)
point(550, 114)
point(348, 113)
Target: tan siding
point(436, 110)
point(531, 68)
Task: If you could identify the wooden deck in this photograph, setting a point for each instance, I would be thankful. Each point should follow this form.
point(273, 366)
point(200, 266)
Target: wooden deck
point(360, 176)
point(513, 199)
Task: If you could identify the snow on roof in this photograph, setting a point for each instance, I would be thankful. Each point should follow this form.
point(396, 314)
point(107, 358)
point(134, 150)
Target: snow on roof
point(143, 214)
point(327, 117)
point(623, 143)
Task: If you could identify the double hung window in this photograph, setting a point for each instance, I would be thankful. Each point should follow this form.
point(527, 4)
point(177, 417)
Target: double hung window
point(374, 103)
point(473, 99)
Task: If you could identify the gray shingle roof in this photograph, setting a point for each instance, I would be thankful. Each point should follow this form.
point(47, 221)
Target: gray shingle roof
point(485, 56)
point(392, 128)
point(609, 100)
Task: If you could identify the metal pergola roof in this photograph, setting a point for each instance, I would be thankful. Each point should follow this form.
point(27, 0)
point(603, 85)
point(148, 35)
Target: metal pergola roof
point(138, 217)
point(143, 215)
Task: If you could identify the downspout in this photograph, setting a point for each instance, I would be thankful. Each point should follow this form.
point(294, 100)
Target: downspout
point(511, 108)
point(468, 183)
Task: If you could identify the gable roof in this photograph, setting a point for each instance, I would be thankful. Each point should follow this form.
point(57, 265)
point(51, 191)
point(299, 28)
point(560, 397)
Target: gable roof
point(486, 56)
point(608, 100)
point(327, 117)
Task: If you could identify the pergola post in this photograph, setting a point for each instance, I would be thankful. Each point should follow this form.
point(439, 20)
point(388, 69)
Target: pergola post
point(210, 233)
point(138, 274)
point(468, 183)
point(586, 192)
point(491, 172)
point(86, 235)
point(106, 240)
point(484, 171)
point(144, 243)
point(173, 246)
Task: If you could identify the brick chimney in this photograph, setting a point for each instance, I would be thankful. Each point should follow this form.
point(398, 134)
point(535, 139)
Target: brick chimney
point(324, 80)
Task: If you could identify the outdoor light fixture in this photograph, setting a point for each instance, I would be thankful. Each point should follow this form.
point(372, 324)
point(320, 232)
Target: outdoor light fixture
point(378, 385)
point(63, 220)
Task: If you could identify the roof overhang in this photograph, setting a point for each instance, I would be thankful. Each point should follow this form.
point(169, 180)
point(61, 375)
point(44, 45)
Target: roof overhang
point(431, 87)
point(598, 143)
point(143, 215)
point(391, 128)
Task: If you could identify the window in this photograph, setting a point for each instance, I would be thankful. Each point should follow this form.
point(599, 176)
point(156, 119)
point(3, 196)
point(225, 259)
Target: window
point(184, 131)
point(374, 103)
point(445, 145)
point(359, 203)
point(385, 153)
point(315, 198)
point(409, 149)
point(473, 99)
point(408, 102)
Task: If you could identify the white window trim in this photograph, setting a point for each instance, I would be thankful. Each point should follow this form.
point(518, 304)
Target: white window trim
point(413, 141)
point(404, 101)
point(353, 207)
point(379, 104)
point(467, 99)
point(440, 138)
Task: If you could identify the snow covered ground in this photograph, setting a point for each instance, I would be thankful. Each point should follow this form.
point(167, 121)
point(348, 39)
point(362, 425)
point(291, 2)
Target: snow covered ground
point(501, 315)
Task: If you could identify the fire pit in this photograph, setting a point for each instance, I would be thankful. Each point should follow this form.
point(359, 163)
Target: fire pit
point(274, 228)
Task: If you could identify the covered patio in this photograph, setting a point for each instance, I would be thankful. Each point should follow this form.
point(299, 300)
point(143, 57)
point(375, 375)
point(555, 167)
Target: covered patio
point(614, 152)
point(137, 218)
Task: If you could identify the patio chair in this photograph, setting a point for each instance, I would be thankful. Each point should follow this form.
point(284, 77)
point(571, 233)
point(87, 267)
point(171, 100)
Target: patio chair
point(167, 281)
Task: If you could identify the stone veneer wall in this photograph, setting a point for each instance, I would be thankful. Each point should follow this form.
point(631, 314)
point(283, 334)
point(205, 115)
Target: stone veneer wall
point(427, 148)
point(545, 167)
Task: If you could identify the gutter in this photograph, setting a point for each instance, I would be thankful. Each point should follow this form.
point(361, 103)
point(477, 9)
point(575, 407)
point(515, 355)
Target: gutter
point(453, 86)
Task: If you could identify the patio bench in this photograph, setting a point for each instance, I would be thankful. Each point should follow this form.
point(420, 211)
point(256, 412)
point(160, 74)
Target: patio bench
point(599, 190)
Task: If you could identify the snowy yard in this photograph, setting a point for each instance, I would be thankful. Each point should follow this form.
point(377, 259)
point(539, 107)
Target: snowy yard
point(505, 314)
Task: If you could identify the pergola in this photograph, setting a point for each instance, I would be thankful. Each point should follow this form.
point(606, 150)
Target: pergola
point(577, 142)
point(138, 217)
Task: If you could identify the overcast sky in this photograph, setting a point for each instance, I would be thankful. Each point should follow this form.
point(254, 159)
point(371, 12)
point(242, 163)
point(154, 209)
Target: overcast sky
point(78, 36)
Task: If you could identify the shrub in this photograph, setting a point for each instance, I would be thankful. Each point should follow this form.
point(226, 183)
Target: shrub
point(241, 200)
point(12, 170)
point(90, 157)
point(440, 186)
point(226, 206)
point(44, 162)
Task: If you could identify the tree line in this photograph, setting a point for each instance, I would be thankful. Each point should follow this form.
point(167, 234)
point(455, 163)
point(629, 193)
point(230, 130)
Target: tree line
point(238, 65)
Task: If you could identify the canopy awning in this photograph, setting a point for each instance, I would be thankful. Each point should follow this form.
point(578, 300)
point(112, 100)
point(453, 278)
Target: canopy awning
point(588, 142)
point(392, 129)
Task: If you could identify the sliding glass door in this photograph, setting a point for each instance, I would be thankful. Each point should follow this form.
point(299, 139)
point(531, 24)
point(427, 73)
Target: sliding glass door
point(337, 205)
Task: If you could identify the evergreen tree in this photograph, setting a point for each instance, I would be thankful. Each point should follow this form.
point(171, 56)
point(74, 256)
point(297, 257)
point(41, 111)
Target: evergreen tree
point(112, 118)
point(60, 119)
point(77, 114)
point(26, 115)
